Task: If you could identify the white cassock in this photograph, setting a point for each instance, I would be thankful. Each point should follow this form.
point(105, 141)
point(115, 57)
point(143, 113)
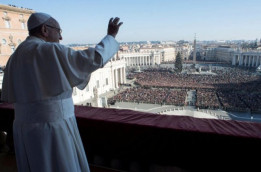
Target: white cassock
point(38, 79)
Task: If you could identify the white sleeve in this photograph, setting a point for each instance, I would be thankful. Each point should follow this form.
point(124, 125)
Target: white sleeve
point(83, 63)
point(107, 48)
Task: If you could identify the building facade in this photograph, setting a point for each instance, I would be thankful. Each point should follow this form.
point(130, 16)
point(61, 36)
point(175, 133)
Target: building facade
point(221, 54)
point(247, 59)
point(168, 54)
point(147, 55)
point(140, 59)
point(185, 50)
point(13, 29)
point(102, 81)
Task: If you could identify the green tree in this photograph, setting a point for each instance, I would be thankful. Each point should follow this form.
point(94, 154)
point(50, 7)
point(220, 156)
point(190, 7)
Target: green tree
point(178, 63)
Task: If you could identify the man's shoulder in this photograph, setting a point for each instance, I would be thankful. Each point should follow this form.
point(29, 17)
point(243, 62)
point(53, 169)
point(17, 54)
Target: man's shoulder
point(42, 43)
point(55, 47)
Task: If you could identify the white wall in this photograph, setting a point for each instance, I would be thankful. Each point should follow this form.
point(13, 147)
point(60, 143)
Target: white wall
point(86, 95)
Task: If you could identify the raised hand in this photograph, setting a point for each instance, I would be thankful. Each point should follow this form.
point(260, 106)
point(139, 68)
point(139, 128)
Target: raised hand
point(113, 26)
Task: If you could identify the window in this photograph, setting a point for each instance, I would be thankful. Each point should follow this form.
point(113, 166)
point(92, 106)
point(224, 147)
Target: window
point(23, 25)
point(3, 41)
point(107, 81)
point(7, 24)
point(6, 20)
point(12, 48)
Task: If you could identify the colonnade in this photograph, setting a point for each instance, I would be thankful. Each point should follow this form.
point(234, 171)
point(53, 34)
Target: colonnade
point(139, 61)
point(247, 59)
point(118, 76)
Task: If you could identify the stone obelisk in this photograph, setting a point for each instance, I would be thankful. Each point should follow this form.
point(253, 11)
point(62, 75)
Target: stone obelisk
point(194, 51)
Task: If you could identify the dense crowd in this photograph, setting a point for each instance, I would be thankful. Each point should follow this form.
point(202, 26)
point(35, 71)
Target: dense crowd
point(207, 99)
point(152, 96)
point(232, 89)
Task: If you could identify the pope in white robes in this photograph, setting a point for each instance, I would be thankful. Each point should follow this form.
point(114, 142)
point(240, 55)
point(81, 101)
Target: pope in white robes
point(38, 79)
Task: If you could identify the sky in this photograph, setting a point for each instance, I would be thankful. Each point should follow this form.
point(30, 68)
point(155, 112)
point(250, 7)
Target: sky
point(85, 21)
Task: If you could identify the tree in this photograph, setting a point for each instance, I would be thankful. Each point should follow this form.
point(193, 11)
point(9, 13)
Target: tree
point(178, 63)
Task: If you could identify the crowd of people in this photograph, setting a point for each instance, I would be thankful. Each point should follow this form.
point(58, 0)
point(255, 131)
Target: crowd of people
point(207, 99)
point(231, 101)
point(228, 88)
point(152, 96)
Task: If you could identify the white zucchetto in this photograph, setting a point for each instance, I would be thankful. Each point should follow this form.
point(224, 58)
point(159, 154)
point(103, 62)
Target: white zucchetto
point(36, 19)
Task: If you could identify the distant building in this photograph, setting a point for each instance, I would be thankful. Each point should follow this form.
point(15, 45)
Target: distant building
point(13, 29)
point(234, 56)
point(168, 54)
point(146, 54)
point(221, 54)
point(141, 58)
point(184, 49)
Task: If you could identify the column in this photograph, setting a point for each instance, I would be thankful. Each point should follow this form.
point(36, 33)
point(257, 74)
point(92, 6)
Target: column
point(116, 78)
point(153, 59)
point(234, 60)
point(249, 60)
point(258, 58)
point(241, 60)
point(253, 61)
point(123, 75)
point(112, 77)
point(237, 59)
point(256, 62)
point(245, 60)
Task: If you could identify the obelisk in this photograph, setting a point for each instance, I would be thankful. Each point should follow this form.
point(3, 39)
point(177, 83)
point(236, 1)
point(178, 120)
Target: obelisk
point(194, 51)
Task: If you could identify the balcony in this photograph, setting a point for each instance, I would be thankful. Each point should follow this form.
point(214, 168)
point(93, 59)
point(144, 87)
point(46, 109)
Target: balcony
point(126, 140)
